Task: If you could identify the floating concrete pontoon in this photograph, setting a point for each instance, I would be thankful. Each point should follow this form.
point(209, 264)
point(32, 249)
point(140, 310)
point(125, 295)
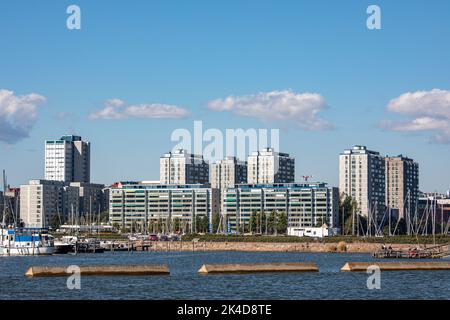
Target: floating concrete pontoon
point(111, 270)
point(396, 266)
point(259, 267)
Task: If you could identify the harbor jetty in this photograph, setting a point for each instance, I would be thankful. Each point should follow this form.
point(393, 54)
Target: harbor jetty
point(100, 270)
point(259, 267)
point(396, 266)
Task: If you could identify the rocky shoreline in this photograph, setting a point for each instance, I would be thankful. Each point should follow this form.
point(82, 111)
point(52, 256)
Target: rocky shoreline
point(340, 247)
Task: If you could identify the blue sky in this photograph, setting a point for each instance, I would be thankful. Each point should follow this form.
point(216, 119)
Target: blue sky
point(188, 53)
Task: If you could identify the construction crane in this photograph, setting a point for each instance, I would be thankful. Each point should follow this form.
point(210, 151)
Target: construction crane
point(306, 178)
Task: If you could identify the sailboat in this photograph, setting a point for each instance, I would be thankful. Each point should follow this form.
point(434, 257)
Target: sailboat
point(15, 241)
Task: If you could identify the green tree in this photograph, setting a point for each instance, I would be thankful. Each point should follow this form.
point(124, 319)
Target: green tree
point(320, 221)
point(262, 222)
point(176, 224)
point(215, 222)
point(271, 222)
point(104, 216)
point(55, 221)
point(282, 223)
point(347, 207)
point(202, 224)
point(253, 221)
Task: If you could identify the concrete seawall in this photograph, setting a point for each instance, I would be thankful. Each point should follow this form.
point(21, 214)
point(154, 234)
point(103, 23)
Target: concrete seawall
point(99, 270)
point(272, 247)
point(396, 266)
point(259, 267)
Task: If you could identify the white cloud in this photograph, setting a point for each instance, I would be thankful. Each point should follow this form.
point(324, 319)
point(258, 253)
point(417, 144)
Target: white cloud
point(419, 124)
point(425, 111)
point(116, 109)
point(17, 115)
point(299, 108)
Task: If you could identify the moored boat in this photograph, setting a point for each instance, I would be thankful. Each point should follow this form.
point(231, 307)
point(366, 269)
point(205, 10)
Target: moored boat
point(25, 242)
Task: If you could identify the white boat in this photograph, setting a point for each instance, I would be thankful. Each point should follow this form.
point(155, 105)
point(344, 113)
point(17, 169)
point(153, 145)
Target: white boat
point(25, 242)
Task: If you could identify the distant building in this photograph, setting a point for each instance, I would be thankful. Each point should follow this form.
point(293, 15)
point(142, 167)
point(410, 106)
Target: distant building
point(93, 198)
point(12, 198)
point(67, 159)
point(305, 205)
point(181, 167)
point(268, 166)
point(402, 185)
point(139, 206)
point(362, 176)
point(42, 200)
point(227, 173)
point(433, 207)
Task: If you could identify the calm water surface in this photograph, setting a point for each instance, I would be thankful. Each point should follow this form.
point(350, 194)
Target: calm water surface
point(185, 283)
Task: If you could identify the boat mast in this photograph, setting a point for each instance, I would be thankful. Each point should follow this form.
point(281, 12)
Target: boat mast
point(434, 220)
point(353, 221)
point(4, 199)
point(390, 234)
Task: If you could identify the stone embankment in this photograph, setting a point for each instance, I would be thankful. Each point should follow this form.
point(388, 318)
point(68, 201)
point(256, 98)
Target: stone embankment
point(269, 246)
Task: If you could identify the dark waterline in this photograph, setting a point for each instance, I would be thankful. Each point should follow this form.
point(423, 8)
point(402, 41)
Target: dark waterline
point(185, 283)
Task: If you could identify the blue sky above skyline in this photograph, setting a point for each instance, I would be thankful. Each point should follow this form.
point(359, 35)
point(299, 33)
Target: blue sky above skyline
point(187, 54)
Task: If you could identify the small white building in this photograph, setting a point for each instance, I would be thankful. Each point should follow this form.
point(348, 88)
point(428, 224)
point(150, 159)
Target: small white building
point(314, 232)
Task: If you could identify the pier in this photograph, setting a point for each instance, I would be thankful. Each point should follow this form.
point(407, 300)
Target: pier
point(100, 270)
point(434, 252)
point(259, 267)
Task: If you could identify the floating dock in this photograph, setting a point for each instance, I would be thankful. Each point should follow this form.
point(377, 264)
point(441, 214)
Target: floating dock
point(396, 266)
point(110, 270)
point(259, 267)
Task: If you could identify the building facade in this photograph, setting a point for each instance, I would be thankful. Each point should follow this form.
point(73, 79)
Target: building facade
point(94, 198)
point(433, 208)
point(67, 159)
point(11, 202)
point(73, 202)
point(306, 205)
point(141, 206)
point(228, 172)
point(362, 176)
point(402, 185)
point(42, 200)
point(268, 166)
point(181, 167)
